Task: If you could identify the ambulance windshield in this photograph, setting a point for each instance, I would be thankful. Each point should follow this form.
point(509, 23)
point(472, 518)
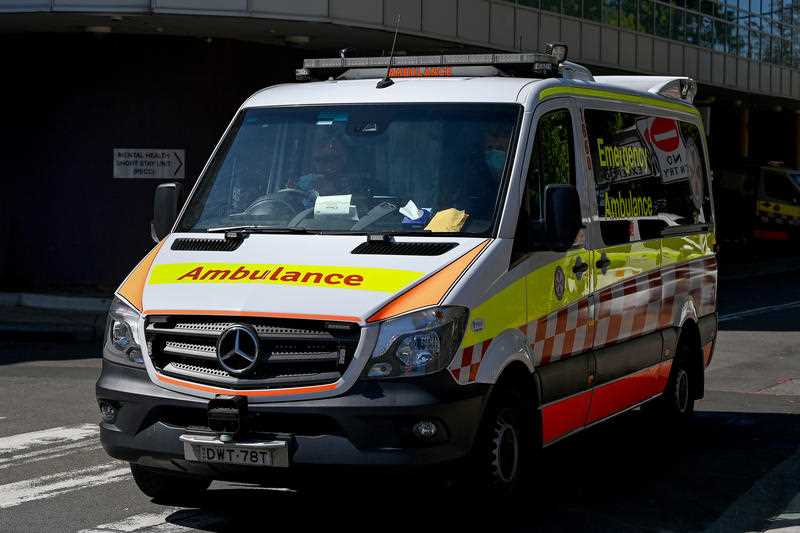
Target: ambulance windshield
point(413, 168)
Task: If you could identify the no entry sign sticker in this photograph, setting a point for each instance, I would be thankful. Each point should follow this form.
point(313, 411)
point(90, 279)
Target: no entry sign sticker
point(664, 137)
point(664, 134)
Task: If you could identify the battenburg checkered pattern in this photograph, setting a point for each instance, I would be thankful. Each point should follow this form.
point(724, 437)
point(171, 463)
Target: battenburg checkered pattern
point(647, 303)
point(771, 217)
point(466, 363)
point(634, 307)
point(568, 331)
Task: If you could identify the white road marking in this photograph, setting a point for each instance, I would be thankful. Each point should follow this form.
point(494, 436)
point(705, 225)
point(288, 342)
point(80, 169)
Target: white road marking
point(63, 434)
point(2, 418)
point(134, 523)
point(788, 516)
point(759, 311)
point(189, 520)
point(19, 492)
point(49, 453)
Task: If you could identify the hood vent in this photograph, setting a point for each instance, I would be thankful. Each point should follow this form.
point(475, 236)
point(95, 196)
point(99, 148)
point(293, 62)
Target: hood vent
point(206, 245)
point(403, 248)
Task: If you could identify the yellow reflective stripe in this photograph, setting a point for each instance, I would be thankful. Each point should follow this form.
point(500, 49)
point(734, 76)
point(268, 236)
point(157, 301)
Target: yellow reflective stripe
point(542, 298)
point(627, 260)
point(685, 248)
point(334, 277)
point(505, 310)
point(622, 97)
point(766, 207)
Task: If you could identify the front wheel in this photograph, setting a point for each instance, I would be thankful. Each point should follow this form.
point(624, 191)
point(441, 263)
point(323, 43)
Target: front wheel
point(165, 486)
point(503, 449)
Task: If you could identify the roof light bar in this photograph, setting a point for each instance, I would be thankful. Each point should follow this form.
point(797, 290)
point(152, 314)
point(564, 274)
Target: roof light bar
point(432, 61)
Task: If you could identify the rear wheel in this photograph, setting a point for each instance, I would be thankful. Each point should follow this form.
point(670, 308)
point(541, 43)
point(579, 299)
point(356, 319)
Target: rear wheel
point(166, 486)
point(676, 404)
point(679, 398)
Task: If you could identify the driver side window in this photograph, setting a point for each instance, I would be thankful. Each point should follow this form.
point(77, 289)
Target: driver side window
point(552, 161)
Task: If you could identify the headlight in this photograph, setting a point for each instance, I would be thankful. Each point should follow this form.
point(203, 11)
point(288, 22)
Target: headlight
point(121, 344)
point(418, 343)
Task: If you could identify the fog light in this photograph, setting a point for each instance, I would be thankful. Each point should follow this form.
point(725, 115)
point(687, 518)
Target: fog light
point(135, 356)
point(108, 411)
point(424, 430)
point(380, 370)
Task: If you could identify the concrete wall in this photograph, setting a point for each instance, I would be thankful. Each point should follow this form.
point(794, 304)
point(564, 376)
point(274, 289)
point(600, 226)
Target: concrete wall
point(64, 219)
point(485, 23)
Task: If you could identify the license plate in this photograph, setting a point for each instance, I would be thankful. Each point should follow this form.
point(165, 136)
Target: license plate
point(204, 449)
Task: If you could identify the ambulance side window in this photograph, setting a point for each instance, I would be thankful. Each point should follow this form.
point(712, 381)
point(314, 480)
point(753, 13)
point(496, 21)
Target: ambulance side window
point(650, 175)
point(698, 177)
point(552, 161)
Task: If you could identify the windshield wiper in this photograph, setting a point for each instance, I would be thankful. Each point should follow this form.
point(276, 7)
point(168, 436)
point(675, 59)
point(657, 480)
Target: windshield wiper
point(260, 229)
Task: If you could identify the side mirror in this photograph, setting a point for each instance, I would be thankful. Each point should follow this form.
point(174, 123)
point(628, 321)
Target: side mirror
point(166, 202)
point(562, 217)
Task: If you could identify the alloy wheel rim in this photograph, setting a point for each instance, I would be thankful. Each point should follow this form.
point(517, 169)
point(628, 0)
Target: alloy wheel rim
point(506, 452)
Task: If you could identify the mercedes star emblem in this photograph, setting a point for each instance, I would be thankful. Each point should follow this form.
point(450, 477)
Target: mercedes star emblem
point(237, 350)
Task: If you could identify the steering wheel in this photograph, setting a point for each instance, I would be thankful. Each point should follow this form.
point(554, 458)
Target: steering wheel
point(285, 203)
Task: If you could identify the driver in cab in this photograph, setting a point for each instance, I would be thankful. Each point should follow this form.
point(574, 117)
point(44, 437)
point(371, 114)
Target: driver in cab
point(328, 177)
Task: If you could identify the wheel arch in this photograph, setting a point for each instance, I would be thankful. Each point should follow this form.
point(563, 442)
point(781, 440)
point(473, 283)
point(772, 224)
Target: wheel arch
point(518, 380)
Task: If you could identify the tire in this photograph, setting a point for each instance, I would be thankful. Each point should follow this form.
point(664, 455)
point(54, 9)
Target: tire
point(676, 403)
point(679, 395)
point(165, 486)
point(504, 448)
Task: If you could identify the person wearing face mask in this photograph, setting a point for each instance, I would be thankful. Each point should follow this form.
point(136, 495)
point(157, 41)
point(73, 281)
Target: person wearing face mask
point(495, 154)
point(474, 178)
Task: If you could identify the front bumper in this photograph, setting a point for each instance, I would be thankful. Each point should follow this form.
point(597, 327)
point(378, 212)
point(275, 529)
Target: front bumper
point(369, 425)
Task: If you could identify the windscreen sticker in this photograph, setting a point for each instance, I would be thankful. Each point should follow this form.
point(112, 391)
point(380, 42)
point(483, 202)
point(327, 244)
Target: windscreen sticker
point(334, 277)
point(629, 160)
point(630, 206)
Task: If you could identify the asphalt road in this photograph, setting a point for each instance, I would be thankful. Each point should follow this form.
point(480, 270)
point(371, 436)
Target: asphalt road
point(736, 468)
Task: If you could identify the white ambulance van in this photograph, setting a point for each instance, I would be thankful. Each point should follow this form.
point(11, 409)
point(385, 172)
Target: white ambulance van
point(456, 260)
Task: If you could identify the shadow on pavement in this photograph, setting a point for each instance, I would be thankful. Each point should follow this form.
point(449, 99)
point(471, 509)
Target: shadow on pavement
point(627, 475)
point(24, 350)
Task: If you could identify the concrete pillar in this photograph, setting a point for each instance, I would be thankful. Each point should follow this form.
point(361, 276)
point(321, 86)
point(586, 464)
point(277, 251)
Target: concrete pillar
point(744, 132)
point(795, 155)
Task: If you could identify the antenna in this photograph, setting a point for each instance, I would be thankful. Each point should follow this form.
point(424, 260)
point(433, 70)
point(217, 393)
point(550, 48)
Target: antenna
point(387, 81)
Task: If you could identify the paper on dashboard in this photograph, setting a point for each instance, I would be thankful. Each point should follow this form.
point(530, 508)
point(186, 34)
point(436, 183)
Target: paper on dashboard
point(449, 221)
point(338, 204)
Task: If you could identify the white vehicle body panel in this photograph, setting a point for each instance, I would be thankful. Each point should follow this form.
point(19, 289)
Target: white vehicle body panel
point(287, 298)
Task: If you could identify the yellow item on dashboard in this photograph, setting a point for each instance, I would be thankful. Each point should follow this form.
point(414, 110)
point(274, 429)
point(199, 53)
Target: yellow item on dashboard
point(450, 220)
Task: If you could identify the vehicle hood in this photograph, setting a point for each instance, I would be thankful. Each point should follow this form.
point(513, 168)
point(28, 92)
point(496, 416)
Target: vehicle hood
point(312, 276)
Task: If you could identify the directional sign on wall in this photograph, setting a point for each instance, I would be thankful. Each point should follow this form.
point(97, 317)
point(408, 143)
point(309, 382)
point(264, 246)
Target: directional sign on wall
point(162, 164)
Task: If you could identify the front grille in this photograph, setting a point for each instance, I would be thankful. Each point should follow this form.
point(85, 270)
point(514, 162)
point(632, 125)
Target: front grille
point(293, 352)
